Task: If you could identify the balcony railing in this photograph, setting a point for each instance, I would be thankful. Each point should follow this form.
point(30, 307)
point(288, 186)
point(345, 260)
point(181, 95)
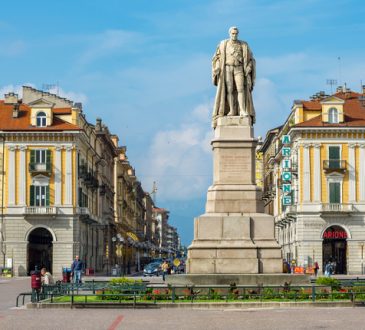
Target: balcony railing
point(334, 164)
point(337, 207)
point(40, 167)
point(82, 210)
point(41, 210)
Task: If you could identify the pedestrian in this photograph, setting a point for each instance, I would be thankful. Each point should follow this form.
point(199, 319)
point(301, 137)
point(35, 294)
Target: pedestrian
point(46, 277)
point(316, 267)
point(165, 268)
point(328, 270)
point(76, 270)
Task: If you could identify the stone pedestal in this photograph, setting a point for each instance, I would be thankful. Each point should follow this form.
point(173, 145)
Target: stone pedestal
point(234, 236)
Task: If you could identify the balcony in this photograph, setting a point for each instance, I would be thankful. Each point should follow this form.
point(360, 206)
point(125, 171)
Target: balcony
point(40, 167)
point(334, 165)
point(41, 210)
point(337, 208)
point(82, 211)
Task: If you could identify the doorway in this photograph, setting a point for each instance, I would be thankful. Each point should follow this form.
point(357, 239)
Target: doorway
point(40, 249)
point(334, 248)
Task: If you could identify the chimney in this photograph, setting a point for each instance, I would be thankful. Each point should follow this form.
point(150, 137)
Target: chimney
point(363, 89)
point(339, 89)
point(16, 109)
point(10, 98)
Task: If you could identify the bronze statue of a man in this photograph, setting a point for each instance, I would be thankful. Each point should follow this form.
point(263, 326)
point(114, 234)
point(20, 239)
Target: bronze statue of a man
point(233, 71)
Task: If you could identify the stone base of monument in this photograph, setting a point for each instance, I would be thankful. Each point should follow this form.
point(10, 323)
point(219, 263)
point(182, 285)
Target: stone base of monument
point(234, 236)
point(234, 244)
point(239, 279)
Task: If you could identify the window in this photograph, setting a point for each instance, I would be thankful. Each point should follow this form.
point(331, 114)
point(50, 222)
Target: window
point(333, 116)
point(40, 160)
point(335, 192)
point(39, 195)
point(334, 157)
point(41, 119)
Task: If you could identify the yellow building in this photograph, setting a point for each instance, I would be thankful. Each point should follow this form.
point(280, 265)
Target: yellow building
point(57, 184)
point(314, 170)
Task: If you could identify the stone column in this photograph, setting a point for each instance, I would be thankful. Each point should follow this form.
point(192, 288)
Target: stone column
point(22, 186)
point(68, 180)
point(306, 174)
point(11, 176)
point(352, 173)
point(317, 173)
point(58, 176)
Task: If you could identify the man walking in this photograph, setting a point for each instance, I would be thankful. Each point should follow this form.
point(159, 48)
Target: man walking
point(76, 269)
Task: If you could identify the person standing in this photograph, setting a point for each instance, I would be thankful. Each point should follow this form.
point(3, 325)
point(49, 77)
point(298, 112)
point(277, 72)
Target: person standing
point(316, 267)
point(76, 269)
point(46, 278)
point(165, 269)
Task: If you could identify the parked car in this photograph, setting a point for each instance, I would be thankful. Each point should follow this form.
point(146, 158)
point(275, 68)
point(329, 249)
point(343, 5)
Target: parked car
point(152, 269)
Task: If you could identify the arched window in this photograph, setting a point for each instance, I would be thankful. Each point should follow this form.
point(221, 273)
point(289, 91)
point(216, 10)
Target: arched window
point(41, 119)
point(333, 116)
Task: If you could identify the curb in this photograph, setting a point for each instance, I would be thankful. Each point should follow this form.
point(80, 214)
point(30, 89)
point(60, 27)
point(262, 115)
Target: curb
point(212, 305)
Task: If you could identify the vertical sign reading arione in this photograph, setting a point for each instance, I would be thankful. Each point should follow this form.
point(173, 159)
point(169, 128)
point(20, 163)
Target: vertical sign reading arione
point(286, 174)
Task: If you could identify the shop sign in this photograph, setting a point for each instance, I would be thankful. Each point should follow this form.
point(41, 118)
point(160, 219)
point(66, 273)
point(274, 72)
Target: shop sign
point(286, 175)
point(334, 234)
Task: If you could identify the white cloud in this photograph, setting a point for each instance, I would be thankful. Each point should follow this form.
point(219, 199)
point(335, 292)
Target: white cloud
point(70, 95)
point(108, 42)
point(17, 89)
point(179, 160)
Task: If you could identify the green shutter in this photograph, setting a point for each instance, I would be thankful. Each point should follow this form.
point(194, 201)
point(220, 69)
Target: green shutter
point(334, 157)
point(31, 201)
point(47, 196)
point(334, 153)
point(48, 159)
point(32, 160)
point(335, 192)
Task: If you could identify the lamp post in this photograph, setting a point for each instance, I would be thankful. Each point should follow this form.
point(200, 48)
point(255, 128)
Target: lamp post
point(118, 242)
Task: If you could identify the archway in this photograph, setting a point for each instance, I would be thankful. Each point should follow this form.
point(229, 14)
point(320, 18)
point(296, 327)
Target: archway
point(334, 248)
point(40, 249)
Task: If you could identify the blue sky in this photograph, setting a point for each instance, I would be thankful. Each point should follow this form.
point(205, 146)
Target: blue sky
point(144, 67)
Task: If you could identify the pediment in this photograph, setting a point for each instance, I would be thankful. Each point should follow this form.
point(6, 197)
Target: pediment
point(332, 100)
point(40, 180)
point(41, 103)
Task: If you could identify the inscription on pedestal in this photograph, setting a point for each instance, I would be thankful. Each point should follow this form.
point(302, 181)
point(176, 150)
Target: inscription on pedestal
point(234, 166)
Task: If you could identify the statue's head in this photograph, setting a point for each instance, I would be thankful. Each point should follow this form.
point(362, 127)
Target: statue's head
point(233, 32)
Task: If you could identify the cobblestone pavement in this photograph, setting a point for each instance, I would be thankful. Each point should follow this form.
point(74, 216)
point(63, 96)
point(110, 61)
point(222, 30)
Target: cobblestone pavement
point(181, 319)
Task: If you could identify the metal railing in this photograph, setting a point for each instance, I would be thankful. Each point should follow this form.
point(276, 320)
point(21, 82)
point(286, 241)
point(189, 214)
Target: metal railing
point(82, 210)
point(103, 292)
point(337, 207)
point(46, 210)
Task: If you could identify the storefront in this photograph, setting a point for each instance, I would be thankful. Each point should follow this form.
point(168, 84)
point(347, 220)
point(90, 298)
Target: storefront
point(334, 248)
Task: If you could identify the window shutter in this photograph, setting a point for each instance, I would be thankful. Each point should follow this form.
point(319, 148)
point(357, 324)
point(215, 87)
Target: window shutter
point(31, 200)
point(335, 192)
point(48, 159)
point(32, 156)
point(334, 153)
point(47, 196)
point(80, 197)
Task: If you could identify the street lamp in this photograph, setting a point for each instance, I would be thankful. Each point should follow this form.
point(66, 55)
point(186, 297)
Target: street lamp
point(118, 242)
